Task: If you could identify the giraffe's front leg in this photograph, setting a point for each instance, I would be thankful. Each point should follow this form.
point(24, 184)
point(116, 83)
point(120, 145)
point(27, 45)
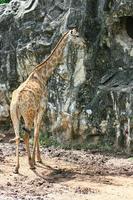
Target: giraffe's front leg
point(38, 152)
point(37, 123)
point(36, 135)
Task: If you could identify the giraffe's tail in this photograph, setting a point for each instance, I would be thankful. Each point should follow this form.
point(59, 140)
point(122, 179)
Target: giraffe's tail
point(26, 130)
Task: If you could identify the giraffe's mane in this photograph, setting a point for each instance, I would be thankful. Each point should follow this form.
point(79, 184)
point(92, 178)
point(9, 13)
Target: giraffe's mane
point(42, 63)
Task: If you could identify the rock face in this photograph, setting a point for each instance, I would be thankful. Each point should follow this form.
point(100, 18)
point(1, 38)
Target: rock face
point(90, 94)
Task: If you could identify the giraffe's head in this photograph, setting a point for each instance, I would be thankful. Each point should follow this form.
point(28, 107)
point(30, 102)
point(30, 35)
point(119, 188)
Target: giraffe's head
point(76, 38)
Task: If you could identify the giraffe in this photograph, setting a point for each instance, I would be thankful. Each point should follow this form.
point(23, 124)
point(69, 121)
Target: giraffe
point(29, 100)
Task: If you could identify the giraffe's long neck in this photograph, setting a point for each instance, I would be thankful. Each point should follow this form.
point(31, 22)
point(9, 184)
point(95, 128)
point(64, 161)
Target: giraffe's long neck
point(46, 68)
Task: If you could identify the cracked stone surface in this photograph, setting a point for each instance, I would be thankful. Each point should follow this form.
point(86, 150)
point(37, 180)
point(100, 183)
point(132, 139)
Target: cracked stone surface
point(94, 102)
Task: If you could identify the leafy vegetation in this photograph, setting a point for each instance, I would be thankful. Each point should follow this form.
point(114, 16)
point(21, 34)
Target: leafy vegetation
point(104, 145)
point(4, 1)
point(47, 140)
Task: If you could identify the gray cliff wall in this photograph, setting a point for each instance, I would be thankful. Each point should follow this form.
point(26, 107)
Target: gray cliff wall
point(90, 94)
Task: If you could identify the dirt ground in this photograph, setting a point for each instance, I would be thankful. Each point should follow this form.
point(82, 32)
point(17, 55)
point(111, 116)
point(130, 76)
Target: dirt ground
point(65, 175)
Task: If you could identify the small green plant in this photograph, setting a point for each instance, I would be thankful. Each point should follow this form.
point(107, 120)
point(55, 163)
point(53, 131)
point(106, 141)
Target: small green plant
point(4, 1)
point(48, 140)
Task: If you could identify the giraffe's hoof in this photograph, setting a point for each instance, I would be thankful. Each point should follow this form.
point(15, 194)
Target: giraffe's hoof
point(34, 163)
point(12, 140)
point(15, 171)
point(40, 161)
point(32, 167)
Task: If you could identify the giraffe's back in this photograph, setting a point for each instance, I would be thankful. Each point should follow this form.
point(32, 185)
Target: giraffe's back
point(26, 101)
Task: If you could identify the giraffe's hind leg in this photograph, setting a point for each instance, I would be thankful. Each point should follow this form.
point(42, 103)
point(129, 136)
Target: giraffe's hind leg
point(15, 122)
point(16, 171)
